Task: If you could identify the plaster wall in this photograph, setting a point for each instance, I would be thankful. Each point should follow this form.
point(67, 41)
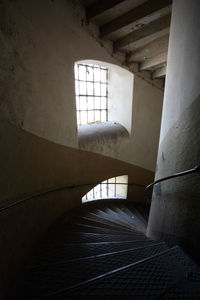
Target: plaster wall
point(41, 41)
point(141, 146)
point(181, 87)
point(175, 209)
point(31, 165)
point(120, 96)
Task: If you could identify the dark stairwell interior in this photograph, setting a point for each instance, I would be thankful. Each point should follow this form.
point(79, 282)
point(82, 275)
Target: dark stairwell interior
point(100, 251)
point(51, 246)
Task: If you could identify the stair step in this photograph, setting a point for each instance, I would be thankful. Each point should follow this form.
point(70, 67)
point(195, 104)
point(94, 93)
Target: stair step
point(146, 279)
point(81, 250)
point(101, 252)
point(106, 225)
point(93, 229)
point(135, 211)
point(116, 216)
point(108, 221)
point(133, 221)
point(109, 218)
point(99, 224)
point(57, 276)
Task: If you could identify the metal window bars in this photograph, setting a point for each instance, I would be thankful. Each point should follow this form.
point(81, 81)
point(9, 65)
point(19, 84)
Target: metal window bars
point(91, 86)
point(115, 187)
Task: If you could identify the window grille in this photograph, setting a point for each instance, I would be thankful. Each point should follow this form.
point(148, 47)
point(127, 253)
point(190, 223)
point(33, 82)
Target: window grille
point(115, 187)
point(91, 86)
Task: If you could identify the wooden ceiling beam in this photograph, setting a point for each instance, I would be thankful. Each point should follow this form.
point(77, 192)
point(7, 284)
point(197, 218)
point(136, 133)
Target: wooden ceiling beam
point(160, 72)
point(153, 61)
point(151, 49)
point(134, 15)
point(147, 76)
point(148, 30)
point(99, 7)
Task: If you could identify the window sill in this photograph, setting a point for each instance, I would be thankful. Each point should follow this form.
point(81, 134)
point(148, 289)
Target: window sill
point(99, 132)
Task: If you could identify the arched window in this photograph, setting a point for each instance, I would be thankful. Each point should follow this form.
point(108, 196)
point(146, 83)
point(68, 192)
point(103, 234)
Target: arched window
point(115, 187)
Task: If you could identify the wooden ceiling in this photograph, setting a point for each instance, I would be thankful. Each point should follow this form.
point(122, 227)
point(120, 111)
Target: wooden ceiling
point(137, 28)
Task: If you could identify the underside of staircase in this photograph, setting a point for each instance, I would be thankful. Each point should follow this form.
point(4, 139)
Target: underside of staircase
point(100, 251)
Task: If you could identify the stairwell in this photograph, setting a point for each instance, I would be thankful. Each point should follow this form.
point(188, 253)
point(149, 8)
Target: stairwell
point(100, 251)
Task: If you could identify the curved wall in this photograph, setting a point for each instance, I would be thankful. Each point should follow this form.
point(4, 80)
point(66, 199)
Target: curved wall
point(175, 208)
point(30, 165)
point(41, 42)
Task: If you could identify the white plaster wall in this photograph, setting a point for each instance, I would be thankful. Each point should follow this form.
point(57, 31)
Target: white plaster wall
point(175, 207)
point(140, 148)
point(41, 41)
point(120, 96)
point(183, 62)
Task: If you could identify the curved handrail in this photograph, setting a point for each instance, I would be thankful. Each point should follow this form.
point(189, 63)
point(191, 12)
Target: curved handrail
point(17, 202)
point(196, 169)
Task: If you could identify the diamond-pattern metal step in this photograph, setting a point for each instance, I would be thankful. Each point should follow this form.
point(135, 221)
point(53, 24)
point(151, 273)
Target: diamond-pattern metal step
point(102, 253)
point(55, 276)
point(101, 224)
point(105, 220)
point(146, 280)
point(130, 220)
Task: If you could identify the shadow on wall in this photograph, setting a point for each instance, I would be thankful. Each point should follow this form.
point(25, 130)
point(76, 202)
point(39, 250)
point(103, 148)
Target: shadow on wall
point(30, 165)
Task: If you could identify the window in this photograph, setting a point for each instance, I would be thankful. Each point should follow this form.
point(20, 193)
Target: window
point(91, 86)
point(115, 187)
point(103, 92)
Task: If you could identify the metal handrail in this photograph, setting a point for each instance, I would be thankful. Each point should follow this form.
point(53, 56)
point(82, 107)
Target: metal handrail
point(196, 169)
point(17, 202)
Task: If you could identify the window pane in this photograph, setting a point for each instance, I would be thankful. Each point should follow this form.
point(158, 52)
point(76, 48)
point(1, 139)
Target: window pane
point(111, 191)
point(90, 103)
point(97, 89)
point(111, 180)
point(97, 74)
point(90, 194)
point(83, 103)
point(97, 191)
point(97, 116)
point(89, 74)
point(83, 117)
point(121, 190)
point(103, 103)
point(91, 116)
point(103, 75)
point(90, 88)
point(82, 86)
point(77, 88)
point(122, 179)
point(103, 89)
point(82, 72)
point(103, 116)
point(97, 103)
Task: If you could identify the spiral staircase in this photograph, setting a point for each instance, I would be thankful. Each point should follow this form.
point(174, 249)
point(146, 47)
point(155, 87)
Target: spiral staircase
point(100, 251)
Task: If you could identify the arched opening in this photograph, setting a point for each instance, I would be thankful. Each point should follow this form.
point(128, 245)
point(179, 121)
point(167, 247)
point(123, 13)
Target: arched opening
point(111, 188)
